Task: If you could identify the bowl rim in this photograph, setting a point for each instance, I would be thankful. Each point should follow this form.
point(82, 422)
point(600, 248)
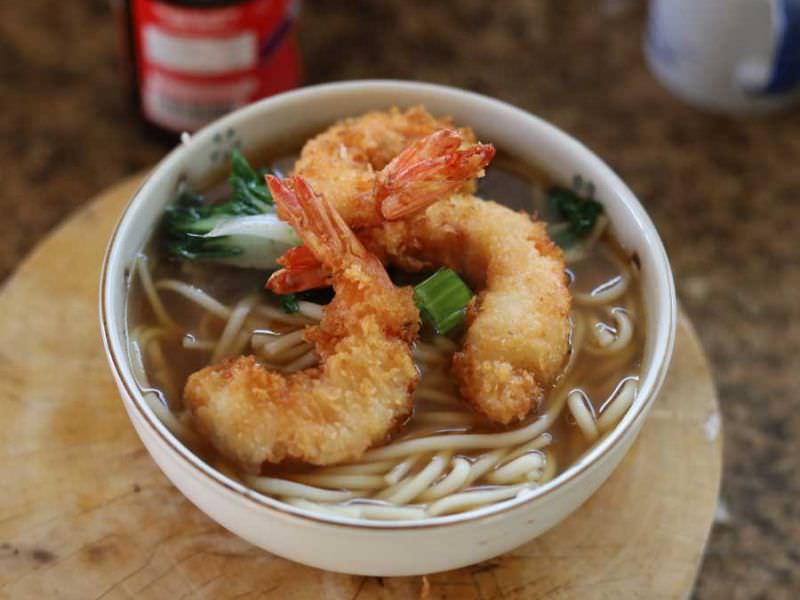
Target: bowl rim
point(650, 383)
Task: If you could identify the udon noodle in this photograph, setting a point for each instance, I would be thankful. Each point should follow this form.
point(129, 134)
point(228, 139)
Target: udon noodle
point(447, 459)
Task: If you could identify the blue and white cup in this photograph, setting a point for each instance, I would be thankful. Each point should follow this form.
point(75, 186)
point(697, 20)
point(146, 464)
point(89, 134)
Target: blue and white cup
point(728, 55)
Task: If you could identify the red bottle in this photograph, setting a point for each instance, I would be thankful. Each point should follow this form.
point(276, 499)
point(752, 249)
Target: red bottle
point(191, 61)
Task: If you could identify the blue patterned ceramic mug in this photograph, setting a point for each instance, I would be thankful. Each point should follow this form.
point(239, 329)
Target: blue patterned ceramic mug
point(730, 55)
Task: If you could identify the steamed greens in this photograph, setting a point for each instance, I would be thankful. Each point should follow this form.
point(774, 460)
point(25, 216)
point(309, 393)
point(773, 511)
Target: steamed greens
point(289, 303)
point(576, 210)
point(243, 232)
point(248, 186)
point(254, 241)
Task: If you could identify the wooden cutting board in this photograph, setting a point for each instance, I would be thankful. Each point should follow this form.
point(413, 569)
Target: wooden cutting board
point(85, 513)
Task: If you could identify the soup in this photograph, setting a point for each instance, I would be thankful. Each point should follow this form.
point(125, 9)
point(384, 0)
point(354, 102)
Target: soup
point(447, 458)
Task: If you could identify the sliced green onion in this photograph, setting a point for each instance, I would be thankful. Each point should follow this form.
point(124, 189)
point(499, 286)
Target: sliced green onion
point(442, 300)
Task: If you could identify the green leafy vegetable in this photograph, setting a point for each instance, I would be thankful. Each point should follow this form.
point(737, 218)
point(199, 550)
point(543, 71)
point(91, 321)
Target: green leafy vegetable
point(190, 213)
point(577, 209)
point(442, 300)
point(244, 231)
point(289, 303)
point(248, 185)
point(251, 241)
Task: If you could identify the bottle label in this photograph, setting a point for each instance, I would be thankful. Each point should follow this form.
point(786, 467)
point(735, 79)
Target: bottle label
point(195, 64)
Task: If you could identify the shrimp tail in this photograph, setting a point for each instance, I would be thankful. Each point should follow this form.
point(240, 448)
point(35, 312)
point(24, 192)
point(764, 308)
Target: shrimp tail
point(321, 228)
point(326, 236)
point(301, 271)
point(427, 171)
point(323, 231)
point(438, 143)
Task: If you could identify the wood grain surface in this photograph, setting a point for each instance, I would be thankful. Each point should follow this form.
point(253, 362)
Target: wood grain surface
point(85, 513)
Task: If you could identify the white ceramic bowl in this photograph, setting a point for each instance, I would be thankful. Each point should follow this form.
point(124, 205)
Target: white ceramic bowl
point(369, 547)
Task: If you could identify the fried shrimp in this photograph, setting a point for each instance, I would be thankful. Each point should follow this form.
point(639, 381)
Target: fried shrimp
point(517, 332)
point(517, 336)
point(348, 162)
point(363, 386)
point(516, 340)
point(382, 163)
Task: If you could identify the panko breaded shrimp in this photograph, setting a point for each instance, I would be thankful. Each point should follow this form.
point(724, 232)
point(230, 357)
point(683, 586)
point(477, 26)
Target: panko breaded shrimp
point(516, 340)
point(430, 168)
point(517, 331)
point(363, 387)
point(347, 162)
point(517, 337)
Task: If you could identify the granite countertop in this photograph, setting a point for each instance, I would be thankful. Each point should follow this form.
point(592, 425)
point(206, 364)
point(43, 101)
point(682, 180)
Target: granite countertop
point(722, 191)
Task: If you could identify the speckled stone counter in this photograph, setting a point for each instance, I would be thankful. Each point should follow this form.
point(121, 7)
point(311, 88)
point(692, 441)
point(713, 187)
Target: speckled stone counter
point(722, 191)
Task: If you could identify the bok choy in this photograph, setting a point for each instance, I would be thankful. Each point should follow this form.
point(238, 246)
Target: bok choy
point(576, 210)
point(243, 231)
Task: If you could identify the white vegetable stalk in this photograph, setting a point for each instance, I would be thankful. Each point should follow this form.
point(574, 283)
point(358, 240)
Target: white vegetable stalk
point(262, 239)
